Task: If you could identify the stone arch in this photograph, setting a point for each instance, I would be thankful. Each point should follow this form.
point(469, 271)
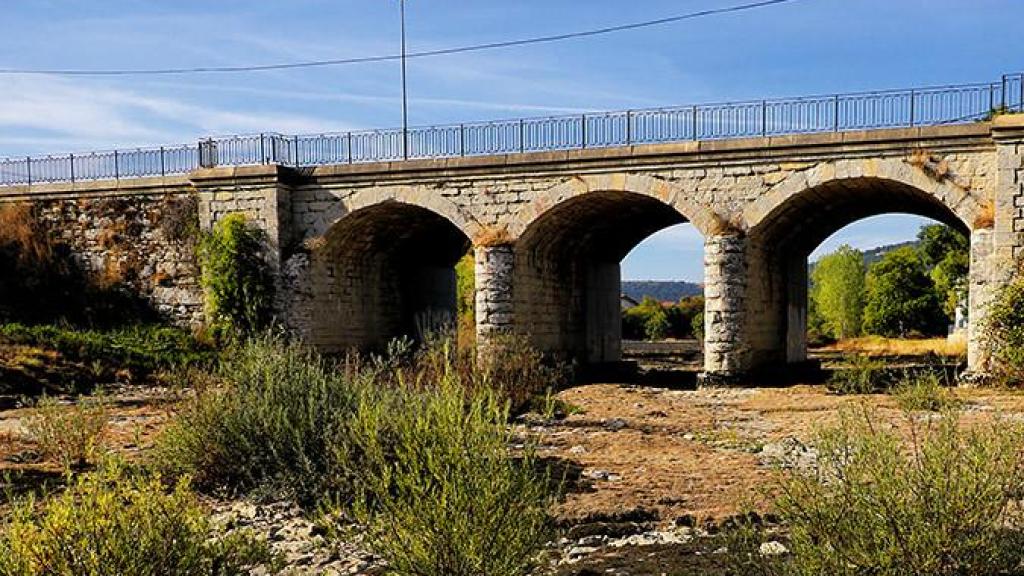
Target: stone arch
point(381, 266)
point(568, 245)
point(702, 217)
point(786, 224)
point(429, 199)
point(945, 190)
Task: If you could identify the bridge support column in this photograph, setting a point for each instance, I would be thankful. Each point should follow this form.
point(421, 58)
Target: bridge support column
point(979, 296)
point(726, 352)
point(494, 306)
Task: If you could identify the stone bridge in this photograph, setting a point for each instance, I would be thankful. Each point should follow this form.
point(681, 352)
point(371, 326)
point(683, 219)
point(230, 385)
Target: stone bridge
point(366, 252)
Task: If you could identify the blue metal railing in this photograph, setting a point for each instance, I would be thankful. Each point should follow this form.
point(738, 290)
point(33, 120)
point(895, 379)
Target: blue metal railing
point(858, 111)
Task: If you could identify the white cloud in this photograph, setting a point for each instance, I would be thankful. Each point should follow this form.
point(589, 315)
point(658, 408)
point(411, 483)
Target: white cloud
point(65, 114)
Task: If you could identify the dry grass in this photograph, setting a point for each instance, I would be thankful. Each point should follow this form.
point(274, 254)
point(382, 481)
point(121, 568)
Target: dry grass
point(493, 236)
point(986, 217)
point(953, 346)
point(936, 167)
point(22, 230)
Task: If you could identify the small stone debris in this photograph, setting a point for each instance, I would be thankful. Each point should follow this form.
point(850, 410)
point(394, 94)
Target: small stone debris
point(772, 548)
point(297, 538)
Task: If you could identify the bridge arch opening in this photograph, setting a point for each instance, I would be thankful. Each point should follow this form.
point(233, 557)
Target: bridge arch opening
point(568, 280)
point(381, 272)
point(780, 245)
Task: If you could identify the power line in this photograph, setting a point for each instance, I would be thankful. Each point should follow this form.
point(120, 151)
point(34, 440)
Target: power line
point(393, 57)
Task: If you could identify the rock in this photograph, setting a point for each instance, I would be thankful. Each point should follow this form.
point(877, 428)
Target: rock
point(772, 548)
point(789, 453)
point(604, 475)
point(615, 424)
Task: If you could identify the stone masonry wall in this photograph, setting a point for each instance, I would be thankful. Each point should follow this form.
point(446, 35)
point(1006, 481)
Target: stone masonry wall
point(749, 198)
point(141, 243)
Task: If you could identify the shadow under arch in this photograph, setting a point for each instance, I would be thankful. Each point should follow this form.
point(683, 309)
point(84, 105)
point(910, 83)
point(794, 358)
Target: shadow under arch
point(382, 271)
point(781, 242)
point(566, 284)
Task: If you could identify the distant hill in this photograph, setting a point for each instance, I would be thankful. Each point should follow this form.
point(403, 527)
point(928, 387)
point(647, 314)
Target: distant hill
point(662, 291)
point(875, 254)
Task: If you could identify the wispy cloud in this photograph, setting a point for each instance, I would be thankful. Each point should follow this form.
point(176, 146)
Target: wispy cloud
point(67, 114)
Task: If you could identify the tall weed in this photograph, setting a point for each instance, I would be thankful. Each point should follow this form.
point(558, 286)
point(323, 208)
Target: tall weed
point(441, 492)
point(275, 414)
point(945, 504)
point(117, 522)
point(69, 435)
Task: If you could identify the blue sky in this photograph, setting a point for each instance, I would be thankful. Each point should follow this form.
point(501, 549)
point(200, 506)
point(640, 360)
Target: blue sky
point(807, 46)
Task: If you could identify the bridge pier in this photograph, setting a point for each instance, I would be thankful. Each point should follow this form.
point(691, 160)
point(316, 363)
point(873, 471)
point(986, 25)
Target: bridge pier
point(494, 267)
point(726, 350)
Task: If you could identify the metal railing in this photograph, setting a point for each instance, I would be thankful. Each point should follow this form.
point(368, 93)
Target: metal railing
point(835, 113)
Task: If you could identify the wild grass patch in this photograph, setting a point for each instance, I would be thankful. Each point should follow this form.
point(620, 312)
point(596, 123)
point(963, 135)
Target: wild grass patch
point(939, 498)
point(118, 521)
point(70, 435)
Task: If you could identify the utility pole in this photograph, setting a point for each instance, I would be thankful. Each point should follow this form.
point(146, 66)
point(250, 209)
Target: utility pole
point(405, 93)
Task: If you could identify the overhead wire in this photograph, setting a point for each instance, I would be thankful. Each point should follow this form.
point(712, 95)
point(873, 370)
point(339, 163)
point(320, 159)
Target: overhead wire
point(396, 57)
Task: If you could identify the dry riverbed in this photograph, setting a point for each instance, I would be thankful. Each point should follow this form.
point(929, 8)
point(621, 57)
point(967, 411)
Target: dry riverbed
point(652, 472)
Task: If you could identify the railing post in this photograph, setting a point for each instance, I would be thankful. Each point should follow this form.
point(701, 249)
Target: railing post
point(835, 114)
point(696, 133)
point(629, 127)
point(71, 161)
point(263, 151)
point(28, 169)
point(163, 169)
point(911, 108)
point(349, 146)
point(522, 135)
point(295, 141)
point(583, 131)
point(462, 139)
point(764, 118)
point(1002, 96)
point(117, 168)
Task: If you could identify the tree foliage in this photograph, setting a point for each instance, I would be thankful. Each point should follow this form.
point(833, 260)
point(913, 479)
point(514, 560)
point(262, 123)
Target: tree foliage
point(652, 320)
point(946, 253)
point(1004, 332)
point(900, 299)
point(838, 291)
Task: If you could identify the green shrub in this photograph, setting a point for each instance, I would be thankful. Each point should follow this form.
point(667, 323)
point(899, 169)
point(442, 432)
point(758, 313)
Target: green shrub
point(1005, 333)
point(924, 391)
point(945, 504)
point(442, 492)
point(236, 278)
point(138, 350)
point(697, 326)
point(69, 435)
point(653, 320)
point(115, 522)
point(860, 375)
point(274, 414)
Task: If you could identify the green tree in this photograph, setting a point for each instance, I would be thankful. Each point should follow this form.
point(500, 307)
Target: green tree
point(657, 325)
point(901, 298)
point(946, 253)
point(465, 285)
point(838, 291)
